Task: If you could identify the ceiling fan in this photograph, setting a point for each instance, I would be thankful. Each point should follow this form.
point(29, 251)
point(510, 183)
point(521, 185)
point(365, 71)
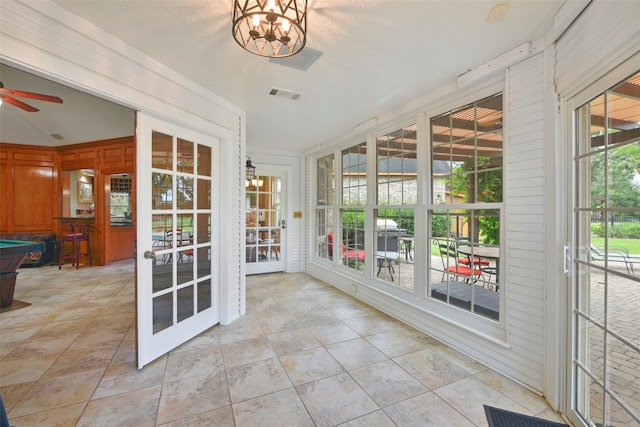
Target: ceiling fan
point(8, 95)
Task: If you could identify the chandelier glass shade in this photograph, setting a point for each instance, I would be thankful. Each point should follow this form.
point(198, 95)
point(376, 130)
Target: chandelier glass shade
point(271, 28)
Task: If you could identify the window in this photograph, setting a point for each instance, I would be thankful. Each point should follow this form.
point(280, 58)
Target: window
point(354, 197)
point(464, 218)
point(325, 199)
point(396, 182)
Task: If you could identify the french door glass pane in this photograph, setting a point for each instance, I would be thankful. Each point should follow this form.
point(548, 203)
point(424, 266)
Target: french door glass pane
point(162, 151)
point(185, 156)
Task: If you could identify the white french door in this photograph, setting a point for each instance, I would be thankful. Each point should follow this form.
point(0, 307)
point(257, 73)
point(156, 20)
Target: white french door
point(266, 223)
point(605, 338)
point(177, 267)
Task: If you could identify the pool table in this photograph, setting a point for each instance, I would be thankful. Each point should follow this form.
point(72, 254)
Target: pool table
point(12, 253)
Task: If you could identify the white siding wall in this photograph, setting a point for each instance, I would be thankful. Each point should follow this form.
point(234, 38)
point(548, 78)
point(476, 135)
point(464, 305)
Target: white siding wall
point(607, 33)
point(524, 220)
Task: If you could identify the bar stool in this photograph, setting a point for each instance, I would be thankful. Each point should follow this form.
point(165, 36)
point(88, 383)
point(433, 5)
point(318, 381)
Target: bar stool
point(71, 238)
point(79, 233)
point(84, 231)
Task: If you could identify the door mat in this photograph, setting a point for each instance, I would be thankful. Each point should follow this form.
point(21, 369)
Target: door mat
point(502, 418)
point(15, 305)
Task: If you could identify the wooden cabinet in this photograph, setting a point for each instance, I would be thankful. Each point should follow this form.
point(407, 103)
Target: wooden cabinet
point(122, 242)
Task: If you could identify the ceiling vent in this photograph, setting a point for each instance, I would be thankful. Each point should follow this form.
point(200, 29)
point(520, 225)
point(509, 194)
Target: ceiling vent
point(300, 61)
point(283, 93)
point(56, 136)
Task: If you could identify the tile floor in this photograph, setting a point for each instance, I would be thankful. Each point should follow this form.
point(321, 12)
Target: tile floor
point(305, 354)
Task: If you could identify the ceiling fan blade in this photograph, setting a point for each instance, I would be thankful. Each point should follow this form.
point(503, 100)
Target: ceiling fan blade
point(31, 95)
point(17, 103)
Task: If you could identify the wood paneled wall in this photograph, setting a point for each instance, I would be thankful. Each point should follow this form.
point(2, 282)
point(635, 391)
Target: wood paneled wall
point(28, 188)
point(31, 186)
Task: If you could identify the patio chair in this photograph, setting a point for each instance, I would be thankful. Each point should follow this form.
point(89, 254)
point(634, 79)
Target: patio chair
point(387, 252)
point(347, 255)
point(466, 260)
point(449, 252)
point(614, 254)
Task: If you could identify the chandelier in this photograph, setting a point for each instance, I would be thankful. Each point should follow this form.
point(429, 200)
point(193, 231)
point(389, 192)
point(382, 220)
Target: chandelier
point(251, 170)
point(271, 28)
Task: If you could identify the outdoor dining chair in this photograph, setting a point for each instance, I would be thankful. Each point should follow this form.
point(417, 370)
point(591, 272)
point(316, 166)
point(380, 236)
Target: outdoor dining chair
point(451, 264)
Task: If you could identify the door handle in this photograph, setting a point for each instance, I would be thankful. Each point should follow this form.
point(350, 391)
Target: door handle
point(150, 255)
point(283, 224)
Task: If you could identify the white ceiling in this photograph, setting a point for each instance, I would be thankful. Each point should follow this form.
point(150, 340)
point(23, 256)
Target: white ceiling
point(376, 55)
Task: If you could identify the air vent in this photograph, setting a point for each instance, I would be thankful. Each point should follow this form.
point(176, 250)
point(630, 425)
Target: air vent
point(300, 61)
point(283, 93)
point(57, 136)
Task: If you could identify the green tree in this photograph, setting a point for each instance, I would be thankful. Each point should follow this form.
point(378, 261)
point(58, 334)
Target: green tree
point(623, 172)
point(480, 182)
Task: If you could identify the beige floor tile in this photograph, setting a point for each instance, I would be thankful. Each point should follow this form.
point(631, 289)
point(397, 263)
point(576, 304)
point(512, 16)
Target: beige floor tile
point(335, 400)
point(463, 361)
point(332, 332)
point(350, 310)
point(526, 398)
point(41, 346)
point(12, 394)
point(303, 304)
point(257, 379)
point(387, 383)
point(377, 419)
point(98, 337)
point(63, 327)
point(248, 351)
point(137, 408)
point(198, 362)
point(190, 396)
point(57, 391)
point(125, 377)
point(394, 344)
point(268, 307)
point(57, 417)
point(206, 340)
point(81, 360)
point(18, 333)
point(221, 417)
point(370, 325)
point(432, 367)
point(426, 410)
point(310, 365)
point(280, 409)
point(330, 302)
point(244, 328)
point(318, 331)
point(355, 353)
point(314, 316)
point(468, 396)
point(126, 352)
point(280, 323)
point(16, 371)
point(293, 341)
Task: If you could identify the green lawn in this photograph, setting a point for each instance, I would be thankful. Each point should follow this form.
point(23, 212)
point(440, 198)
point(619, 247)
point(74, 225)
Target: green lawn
point(632, 245)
